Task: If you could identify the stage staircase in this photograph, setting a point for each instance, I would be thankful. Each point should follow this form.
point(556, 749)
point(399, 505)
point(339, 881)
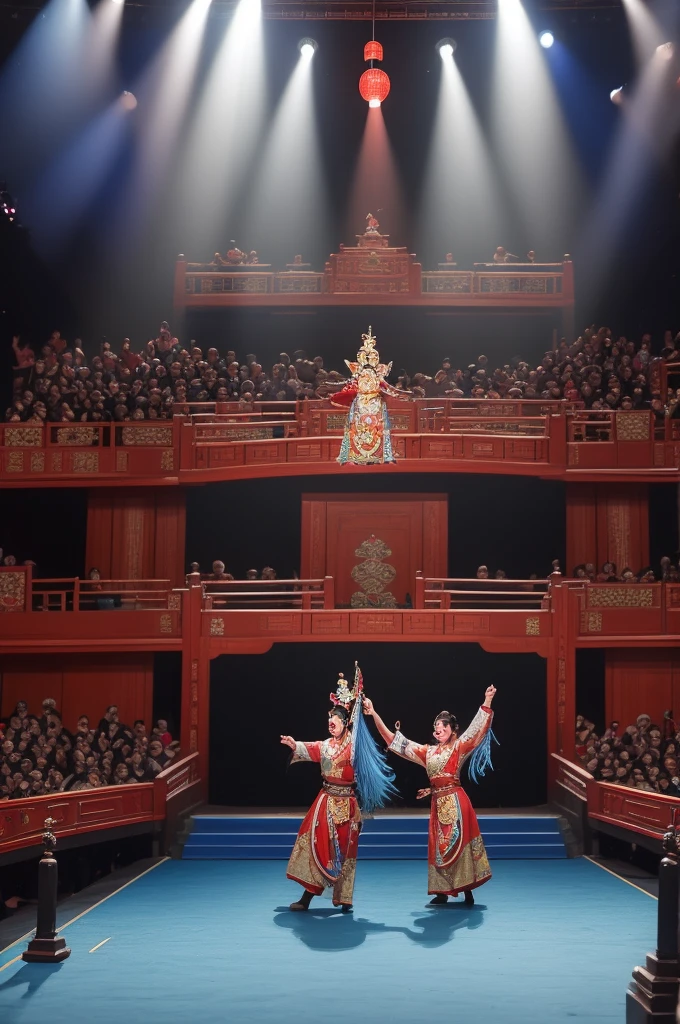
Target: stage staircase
point(386, 837)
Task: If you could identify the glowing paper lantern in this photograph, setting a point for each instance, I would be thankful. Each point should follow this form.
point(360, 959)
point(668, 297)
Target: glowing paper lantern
point(373, 51)
point(374, 86)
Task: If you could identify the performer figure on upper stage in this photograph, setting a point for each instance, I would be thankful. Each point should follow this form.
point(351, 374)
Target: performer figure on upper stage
point(367, 439)
point(456, 857)
point(356, 778)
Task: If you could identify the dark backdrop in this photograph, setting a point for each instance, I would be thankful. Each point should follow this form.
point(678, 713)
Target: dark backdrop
point(590, 667)
point(47, 526)
point(124, 287)
point(167, 690)
point(257, 698)
point(511, 523)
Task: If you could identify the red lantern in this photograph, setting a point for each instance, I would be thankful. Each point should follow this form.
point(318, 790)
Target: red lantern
point(373, 51)
point(374, 86)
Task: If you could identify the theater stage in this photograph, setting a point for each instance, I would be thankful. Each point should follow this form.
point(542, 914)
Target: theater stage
point(209, 942)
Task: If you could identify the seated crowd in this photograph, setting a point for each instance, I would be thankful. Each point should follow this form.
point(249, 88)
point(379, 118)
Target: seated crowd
point(219, 573)
point(39, 755)
point(61, 385)
point(641, 756)
point(666, 573)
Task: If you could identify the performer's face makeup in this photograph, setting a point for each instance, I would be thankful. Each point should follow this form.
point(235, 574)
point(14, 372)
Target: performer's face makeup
point(442, 732)
point(335, 725)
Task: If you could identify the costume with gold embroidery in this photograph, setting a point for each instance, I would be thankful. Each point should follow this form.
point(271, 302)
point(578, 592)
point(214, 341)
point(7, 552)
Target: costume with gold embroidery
point(355, 777)
point(457, 860)
point(367, 439)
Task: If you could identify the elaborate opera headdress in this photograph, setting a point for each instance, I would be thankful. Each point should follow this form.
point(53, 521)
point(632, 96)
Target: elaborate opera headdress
point(368, 355)
point(374, 778)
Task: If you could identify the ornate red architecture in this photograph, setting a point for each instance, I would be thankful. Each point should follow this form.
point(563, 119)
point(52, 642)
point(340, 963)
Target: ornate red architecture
point(57, 635)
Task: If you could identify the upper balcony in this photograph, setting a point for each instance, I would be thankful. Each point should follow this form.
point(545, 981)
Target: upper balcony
point(373, 274)
point(528, 438)
point(250, 616)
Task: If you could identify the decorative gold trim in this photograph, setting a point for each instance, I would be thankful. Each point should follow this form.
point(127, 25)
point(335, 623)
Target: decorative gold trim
point(594, 622)
point(627, 595)
point(85, 462)
point(217, 627)
point(533, 626)
point(37, 462)
point(168, 459)
point(121, 462)
point(23, 437)
point(166, 623)
point(15, 462)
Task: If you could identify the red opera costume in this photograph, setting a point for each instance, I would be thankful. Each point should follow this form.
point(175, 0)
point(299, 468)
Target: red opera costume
point(457, 860)
point(325, 851)
point(367, 439)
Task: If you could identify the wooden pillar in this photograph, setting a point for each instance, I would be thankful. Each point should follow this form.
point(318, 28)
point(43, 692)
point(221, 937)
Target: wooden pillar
point(137, 533)
point(195, 733)
point(561, 674)
point(608, 523)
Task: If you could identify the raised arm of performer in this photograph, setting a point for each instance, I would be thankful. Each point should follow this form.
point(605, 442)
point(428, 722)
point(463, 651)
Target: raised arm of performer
point(457, 861)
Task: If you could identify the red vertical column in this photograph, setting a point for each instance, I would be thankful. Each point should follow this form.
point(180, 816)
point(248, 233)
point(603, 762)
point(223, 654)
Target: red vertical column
point(195, 733)
point(561, 675)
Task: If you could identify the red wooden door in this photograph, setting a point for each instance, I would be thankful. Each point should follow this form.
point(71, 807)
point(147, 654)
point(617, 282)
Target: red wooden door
point(373, 545)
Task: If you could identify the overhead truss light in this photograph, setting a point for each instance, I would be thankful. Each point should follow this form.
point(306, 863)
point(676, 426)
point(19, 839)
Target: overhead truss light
point(446, 47)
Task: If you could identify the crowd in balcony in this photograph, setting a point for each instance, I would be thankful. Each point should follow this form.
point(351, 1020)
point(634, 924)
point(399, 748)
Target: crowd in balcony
point(642, 756)
point(60, 384)
point(666, 572)
point(39, 755)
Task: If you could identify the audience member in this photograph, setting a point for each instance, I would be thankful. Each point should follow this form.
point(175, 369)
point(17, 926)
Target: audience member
point(642, 757)
point(61, 385)
point(38, 755)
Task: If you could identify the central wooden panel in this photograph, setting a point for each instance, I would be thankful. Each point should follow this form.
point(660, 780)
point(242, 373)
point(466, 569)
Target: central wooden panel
point(373, 545)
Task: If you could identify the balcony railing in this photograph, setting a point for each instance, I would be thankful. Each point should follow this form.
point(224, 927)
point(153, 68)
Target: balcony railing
point(150, 804)
point(221, 441)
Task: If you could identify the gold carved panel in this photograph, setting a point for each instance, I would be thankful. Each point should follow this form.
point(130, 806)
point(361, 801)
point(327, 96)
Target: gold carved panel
point(12, 591)
point(533, 625)
point(147, 436)
point(86, 462)
point(623, 595)
point(78, 437)
point(632, 426)
point(23, 437)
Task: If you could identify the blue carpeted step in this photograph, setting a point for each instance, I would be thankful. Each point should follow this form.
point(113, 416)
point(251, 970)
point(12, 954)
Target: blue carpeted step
point(393, 837)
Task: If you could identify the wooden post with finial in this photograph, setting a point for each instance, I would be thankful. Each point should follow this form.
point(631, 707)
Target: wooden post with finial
point(653, 993)
point(46, 947)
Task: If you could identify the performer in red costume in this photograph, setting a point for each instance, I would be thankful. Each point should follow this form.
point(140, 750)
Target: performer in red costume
point(457, 860)
point(325, 851)
point(367, 440)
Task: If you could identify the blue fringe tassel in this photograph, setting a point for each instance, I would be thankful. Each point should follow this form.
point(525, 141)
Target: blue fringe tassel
point(480, 759)
point(375, 779)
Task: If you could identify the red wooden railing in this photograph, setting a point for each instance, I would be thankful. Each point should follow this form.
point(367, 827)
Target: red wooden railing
point(491, 594)
point(303, 594)
point(272, 438)
point(74, 594)
point(106, 807)
point(636, 810)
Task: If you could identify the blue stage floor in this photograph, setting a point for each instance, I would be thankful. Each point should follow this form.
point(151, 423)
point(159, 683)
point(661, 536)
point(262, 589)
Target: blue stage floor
point(213, 942)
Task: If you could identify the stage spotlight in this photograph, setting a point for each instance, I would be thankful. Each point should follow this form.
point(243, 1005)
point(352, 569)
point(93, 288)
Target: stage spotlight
point(446, 47)
point(616, 96)
point(666, 51)
point(546, 39)
point(128, 100)
point(308, 47)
